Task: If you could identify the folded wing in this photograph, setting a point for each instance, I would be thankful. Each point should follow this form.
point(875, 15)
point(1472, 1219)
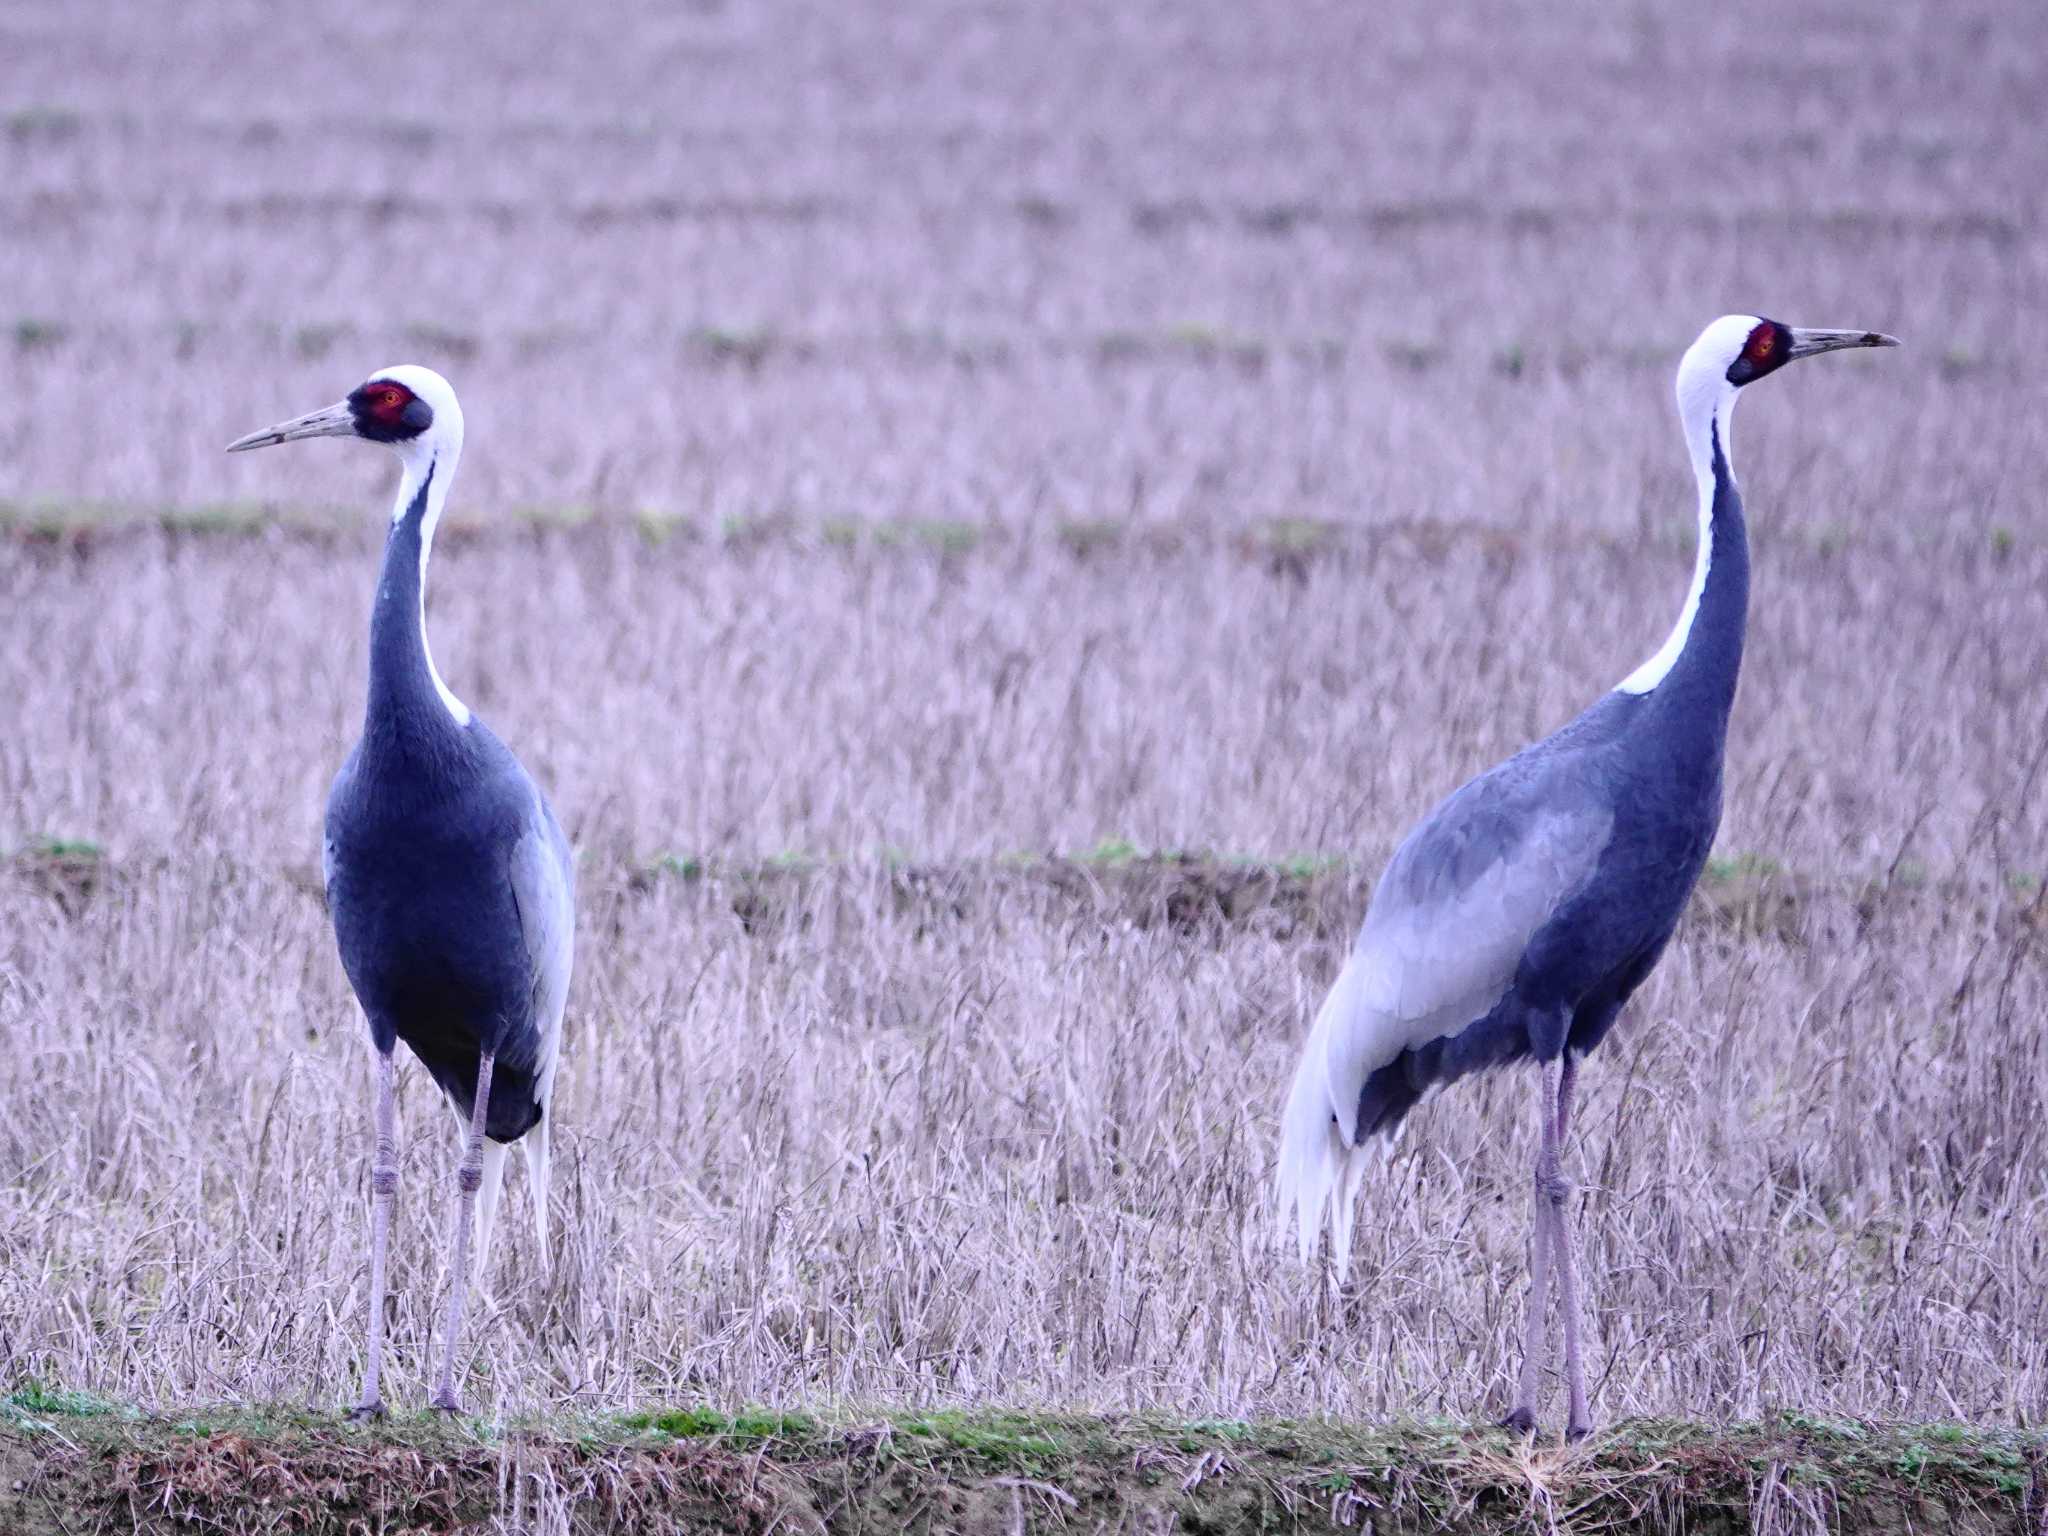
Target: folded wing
point(1446, 930)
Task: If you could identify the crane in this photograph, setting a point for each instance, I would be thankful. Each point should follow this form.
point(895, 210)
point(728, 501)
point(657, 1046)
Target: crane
point(1517, 917)
point(449, 882)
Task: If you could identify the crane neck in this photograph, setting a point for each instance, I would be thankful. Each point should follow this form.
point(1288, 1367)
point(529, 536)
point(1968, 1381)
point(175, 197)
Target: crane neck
point(408, 701)
point(1695, 671)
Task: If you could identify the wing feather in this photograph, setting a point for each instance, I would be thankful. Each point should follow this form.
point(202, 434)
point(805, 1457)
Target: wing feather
point(1442, 939)
point(544, 895)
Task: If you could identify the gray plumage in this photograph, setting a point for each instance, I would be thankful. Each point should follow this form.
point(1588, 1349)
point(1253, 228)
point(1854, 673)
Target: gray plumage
point(453, 910)
point(449, 882)
point(1518, 917)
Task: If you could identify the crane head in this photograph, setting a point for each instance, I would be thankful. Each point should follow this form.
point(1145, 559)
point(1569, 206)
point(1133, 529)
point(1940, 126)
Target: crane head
point(1740, 349)
point(407, 408)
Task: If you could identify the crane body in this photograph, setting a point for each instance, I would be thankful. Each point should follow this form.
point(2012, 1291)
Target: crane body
point(1517, 918)
point(449, 882)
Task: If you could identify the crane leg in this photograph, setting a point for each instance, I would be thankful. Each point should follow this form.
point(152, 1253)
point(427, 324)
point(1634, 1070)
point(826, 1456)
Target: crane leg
point(468, 1180)
point(1543, 1245)
point(1580, 1422)
point(383, 1190)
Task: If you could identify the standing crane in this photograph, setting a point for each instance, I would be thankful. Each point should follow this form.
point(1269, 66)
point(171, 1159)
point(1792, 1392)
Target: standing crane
point(448, 879)
point(1516, 919)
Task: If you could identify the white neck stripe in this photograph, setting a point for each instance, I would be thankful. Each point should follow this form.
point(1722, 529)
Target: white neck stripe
point(437, 497)
point(1702, 427)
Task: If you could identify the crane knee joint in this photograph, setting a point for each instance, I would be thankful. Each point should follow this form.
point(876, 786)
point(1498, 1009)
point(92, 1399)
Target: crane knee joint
point(469, 1179)
point(384, 1181)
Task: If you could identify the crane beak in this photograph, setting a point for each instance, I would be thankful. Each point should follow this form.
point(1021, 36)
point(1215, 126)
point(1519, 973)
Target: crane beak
point(336, 420)
point(1813, 343)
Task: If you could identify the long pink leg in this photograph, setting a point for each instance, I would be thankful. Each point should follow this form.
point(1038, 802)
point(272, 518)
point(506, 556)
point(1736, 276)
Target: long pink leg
point(1542, 1244)
point(468, 1179)
point(1580, 1422)
point(383, 1190)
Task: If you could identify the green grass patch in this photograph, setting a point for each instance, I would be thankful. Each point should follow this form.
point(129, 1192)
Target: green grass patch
point(70, 850)
point(1085, 537)
point(1297, 535)
point(1309, 866)
point(43, 124)
point(748, 1426)
point(556, 514)
point(940, 535)
point(1009, 1440)
point(1743, 866)
point(1111, 853)
point(1412, 356)
point(35, 1400)
point(35, 335)
point(748, 347)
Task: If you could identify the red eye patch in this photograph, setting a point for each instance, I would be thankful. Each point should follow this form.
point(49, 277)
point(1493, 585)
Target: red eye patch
point(385, 411)
point(1763, 345)
point(386, 401)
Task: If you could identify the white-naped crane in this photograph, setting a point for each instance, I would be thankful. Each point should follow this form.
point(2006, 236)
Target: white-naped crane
point(1514, 921)
point(449, 882)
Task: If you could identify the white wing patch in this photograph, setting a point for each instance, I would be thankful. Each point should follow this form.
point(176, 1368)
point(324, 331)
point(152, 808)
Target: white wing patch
point(1421, 970)
point(544, 893)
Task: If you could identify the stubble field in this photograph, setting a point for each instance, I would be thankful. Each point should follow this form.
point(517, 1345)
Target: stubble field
point(990, 524)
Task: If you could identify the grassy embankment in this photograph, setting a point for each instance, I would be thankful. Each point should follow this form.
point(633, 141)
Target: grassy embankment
point(71, 1463)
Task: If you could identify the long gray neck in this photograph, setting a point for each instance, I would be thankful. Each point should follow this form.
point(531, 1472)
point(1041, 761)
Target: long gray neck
point(411, 712)
point(1688, 686)
point(1700, 687)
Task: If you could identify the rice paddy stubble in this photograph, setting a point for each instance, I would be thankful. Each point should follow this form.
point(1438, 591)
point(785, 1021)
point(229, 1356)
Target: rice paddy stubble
point(945, 490)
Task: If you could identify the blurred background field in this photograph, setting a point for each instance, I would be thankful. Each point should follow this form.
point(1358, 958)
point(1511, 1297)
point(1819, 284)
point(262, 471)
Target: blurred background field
point(991, 520)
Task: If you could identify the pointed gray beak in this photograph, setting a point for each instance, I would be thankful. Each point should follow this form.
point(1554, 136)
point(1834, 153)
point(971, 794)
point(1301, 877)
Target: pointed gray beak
point(1813, 343)
point(333, 421)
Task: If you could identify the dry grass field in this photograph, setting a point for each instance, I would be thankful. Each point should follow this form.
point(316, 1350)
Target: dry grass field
point(990, 521)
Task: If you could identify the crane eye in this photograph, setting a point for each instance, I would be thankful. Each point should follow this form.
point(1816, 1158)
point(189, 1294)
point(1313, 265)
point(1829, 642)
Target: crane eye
point(387, 412)
point(1766, 349)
